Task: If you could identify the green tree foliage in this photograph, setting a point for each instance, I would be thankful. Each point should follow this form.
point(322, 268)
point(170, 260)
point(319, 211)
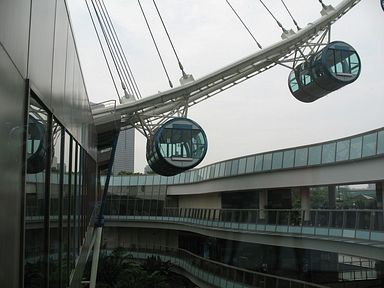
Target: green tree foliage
point(119, 270)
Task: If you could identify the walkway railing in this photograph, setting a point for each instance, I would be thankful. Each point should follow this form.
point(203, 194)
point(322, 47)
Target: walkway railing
point(215, 273)
point(351, 224)
point(363, 146)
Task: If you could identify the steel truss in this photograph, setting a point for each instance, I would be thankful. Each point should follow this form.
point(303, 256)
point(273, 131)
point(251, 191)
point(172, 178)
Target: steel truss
point(149, 113)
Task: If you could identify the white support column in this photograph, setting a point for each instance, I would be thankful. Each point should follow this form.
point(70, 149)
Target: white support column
point(305, 204)
point(95, 259)
point(263, 202)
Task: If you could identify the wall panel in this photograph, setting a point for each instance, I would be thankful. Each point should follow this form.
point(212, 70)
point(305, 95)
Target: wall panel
point(12, 95)
point(59, 61)
point(41, 48)
point(15, 14)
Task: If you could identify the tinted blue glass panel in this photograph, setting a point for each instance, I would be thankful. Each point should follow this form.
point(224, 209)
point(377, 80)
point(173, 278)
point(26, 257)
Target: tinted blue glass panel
point(208, 174)
point(192, 177)
point(356, 145)
point(134, 180)
point(182, 177)
point(288, 158)
point(188, 177)
point(277, 160)
point(125, 180)
point(259, 163)
point(217, 170)
point(163, 180)
point(329, 151)
point(301, 157)
point(314, 155)
point(235, 167)
point(380, 143)
point(222, 169)
point(342, 150)
point(176, 179)
point(141, 180)
point(250, 164)
point(242, 163)
point(228, 168)
point(149, 180)
point(156, 180)
point(369, 144)
point(267, 162)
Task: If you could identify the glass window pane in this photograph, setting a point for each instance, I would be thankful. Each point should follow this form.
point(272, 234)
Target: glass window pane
point(242, 163)
point(149, 180)
point(163, 180)
point(342, 150)
point(329, 151)
point(222, 169)
point(217, 170)
point(228, 168)
point(188, 177)
point(288, 158)
point(267, 162)
point(301, 157)
point(156, 180)
point(235, 167)
point(277, 160)
point(192, 179)
point(314, 155)
point(250, 164)
point(380, 143)
point(212, 171)
point(259, 163)
point(369, 144)
point(356, 145)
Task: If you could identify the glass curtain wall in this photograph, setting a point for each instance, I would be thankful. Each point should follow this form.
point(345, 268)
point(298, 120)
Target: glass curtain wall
point(60, 198)
point(133, 195)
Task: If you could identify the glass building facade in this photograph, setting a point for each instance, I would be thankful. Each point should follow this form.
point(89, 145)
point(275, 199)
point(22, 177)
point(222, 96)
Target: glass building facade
point(48, 147)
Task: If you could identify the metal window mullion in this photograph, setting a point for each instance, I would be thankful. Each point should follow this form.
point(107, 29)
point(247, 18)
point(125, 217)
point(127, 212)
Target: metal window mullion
point(61, 193)
point(47, 200)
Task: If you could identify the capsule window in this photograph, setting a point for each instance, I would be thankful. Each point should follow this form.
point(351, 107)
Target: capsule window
point(293, 81)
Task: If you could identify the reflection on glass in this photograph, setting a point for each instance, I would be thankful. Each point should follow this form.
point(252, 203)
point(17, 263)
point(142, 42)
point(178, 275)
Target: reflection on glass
point(380, 142)
point(356, 145)
point(288, 158)
point(259, 163)
point(34, 269)
point(267, 161)
point(242, 167)
point(329, 151)
point(277, 160)
point(342, 150)
point(54, 235)
point(369, 144)
point(250, 164)
point(301, 157)
point(314, 155)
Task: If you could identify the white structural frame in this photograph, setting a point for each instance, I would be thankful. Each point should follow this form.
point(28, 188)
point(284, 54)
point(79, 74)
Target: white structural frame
point(148, 113)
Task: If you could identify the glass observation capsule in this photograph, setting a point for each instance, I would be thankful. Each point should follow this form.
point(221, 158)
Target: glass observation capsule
point(178, 145)
point(333, 67)
point(37, 146)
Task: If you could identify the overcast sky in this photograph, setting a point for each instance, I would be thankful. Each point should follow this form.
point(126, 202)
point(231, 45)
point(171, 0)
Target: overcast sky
point(259, 114)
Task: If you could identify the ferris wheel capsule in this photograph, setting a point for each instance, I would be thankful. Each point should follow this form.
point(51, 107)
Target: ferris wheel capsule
point(178, 145)
point(333, 67)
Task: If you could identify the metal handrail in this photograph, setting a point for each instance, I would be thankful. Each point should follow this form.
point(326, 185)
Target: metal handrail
point(238, 275)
